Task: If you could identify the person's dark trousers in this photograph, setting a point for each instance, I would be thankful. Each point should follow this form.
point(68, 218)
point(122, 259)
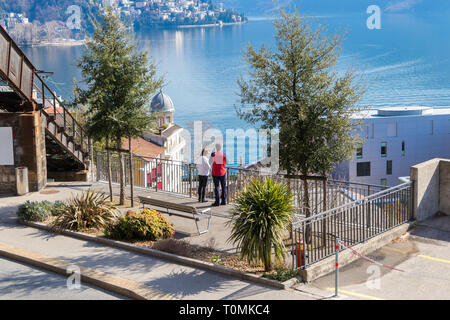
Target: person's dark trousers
point(202, 183)
point(220, 181)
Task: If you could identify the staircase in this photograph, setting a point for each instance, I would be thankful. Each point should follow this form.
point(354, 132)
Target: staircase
point(23, 90)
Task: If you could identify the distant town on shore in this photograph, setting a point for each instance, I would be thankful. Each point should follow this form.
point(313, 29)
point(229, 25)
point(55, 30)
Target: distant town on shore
point(69, 23)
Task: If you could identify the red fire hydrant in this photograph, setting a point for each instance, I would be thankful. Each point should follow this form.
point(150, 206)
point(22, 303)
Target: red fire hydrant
point(299, 253)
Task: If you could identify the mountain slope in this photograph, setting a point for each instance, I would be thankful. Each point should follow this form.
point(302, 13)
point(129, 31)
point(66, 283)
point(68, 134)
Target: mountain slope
point(44, 10)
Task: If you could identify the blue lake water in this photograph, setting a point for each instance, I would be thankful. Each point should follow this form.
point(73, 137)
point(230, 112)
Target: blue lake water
point(407, 62)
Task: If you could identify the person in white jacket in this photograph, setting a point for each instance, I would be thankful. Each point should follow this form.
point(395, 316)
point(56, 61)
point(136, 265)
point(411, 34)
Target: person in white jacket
point(203, 168)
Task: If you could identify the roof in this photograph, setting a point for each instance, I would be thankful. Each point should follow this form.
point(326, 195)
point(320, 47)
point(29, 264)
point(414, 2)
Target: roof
point(171, 130)
point(406, 111)
point(144, 148)
point(50, 110)
point(162, 103)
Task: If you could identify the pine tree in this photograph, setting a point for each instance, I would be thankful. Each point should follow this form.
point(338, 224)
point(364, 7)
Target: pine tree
point(119, 81)
point(296, 90)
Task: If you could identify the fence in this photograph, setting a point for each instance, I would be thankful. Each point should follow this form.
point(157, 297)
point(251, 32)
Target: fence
point(352, 223)
point(182, 178)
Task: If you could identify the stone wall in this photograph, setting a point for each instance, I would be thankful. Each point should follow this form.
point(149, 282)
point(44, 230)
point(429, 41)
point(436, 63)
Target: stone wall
point(431, 188)
point(444, 181)
point(29, 150)
point(7, 180)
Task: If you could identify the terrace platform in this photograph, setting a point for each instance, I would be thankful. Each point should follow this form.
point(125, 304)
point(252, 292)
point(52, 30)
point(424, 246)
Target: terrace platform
point(185, 229)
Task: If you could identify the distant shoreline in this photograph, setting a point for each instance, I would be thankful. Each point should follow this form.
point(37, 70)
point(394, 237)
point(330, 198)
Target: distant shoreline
point(68, 43)
point(74, 43)
point(209, 25)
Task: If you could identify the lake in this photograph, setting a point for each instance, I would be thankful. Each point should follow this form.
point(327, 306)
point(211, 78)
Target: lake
point(407, 62)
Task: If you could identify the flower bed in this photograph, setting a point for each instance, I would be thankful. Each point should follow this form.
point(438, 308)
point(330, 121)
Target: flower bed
point(146, 228)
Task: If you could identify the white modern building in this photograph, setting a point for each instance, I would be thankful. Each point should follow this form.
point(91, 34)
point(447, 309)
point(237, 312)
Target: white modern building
point(394, 140)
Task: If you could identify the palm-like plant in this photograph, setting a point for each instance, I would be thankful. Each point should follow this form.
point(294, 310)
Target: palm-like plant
point(261, 215)
point(86, 211)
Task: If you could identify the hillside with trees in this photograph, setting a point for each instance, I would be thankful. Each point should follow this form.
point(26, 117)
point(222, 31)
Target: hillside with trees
point(40, 21)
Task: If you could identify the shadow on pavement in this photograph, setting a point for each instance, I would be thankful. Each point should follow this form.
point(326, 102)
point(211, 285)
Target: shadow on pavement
point(436, 228)
point(184, 283)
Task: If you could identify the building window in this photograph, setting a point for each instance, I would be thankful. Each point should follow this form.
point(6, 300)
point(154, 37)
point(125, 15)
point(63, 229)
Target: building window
point(359, 152)
point(389, 167)
point(384, 149)
point(384, 182)
point(369, 130)
point(430, 128)
point(403, 148)
point(392, 129)
point(363, 169)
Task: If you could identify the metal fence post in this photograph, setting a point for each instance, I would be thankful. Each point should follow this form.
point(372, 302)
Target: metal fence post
point(156, 176)
point(97, 166)
point(190, 180)
point(228, 185)
point(336, 290)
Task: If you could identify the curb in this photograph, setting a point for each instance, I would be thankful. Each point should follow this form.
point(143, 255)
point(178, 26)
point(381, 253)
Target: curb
point(168, 256)
point(108, 282)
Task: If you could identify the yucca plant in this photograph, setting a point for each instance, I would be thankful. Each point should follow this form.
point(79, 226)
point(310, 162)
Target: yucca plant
point(88, 210)
point(261, 215)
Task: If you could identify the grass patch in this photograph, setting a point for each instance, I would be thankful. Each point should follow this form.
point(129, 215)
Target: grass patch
point(282, 273)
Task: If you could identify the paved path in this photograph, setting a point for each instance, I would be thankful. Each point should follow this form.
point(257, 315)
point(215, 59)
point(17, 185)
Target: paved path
point(181, 281)
point(22, 282)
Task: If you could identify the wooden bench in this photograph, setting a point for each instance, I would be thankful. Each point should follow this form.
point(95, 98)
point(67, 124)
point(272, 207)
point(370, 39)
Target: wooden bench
point(180, 210)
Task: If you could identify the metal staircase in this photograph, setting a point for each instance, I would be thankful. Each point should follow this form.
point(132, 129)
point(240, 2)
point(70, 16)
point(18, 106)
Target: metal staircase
point(23, 90)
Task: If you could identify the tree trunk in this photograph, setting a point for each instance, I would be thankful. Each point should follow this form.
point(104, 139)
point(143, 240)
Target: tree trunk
point(108, 163)
point(131, 172)
point(268, 259)
point(121, 173)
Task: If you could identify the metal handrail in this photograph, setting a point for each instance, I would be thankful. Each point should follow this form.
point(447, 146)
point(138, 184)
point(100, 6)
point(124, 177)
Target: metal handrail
point(36, 83)
point(352, 204)
point(53, 100)
point(359, 184)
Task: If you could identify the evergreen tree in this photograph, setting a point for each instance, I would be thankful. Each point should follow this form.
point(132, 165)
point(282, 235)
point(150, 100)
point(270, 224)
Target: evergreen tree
point(119, 82)
point(296, 90)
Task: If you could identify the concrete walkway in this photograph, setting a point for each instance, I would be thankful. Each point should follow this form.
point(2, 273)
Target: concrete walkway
point(22, 282)
point(178, 280)
point(421, 262)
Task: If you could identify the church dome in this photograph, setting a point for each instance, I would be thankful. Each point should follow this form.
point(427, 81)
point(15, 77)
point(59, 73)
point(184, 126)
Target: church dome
point(162, 103)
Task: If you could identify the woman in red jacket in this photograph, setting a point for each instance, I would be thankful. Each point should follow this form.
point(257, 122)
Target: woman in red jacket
point(219, 171)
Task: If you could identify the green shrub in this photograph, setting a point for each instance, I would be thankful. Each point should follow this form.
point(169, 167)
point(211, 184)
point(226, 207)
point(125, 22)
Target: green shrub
point(216, 260)
point(35, 211)
point(282, 273)
point(89, 210)
point(57, 208)
point(146, 225)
